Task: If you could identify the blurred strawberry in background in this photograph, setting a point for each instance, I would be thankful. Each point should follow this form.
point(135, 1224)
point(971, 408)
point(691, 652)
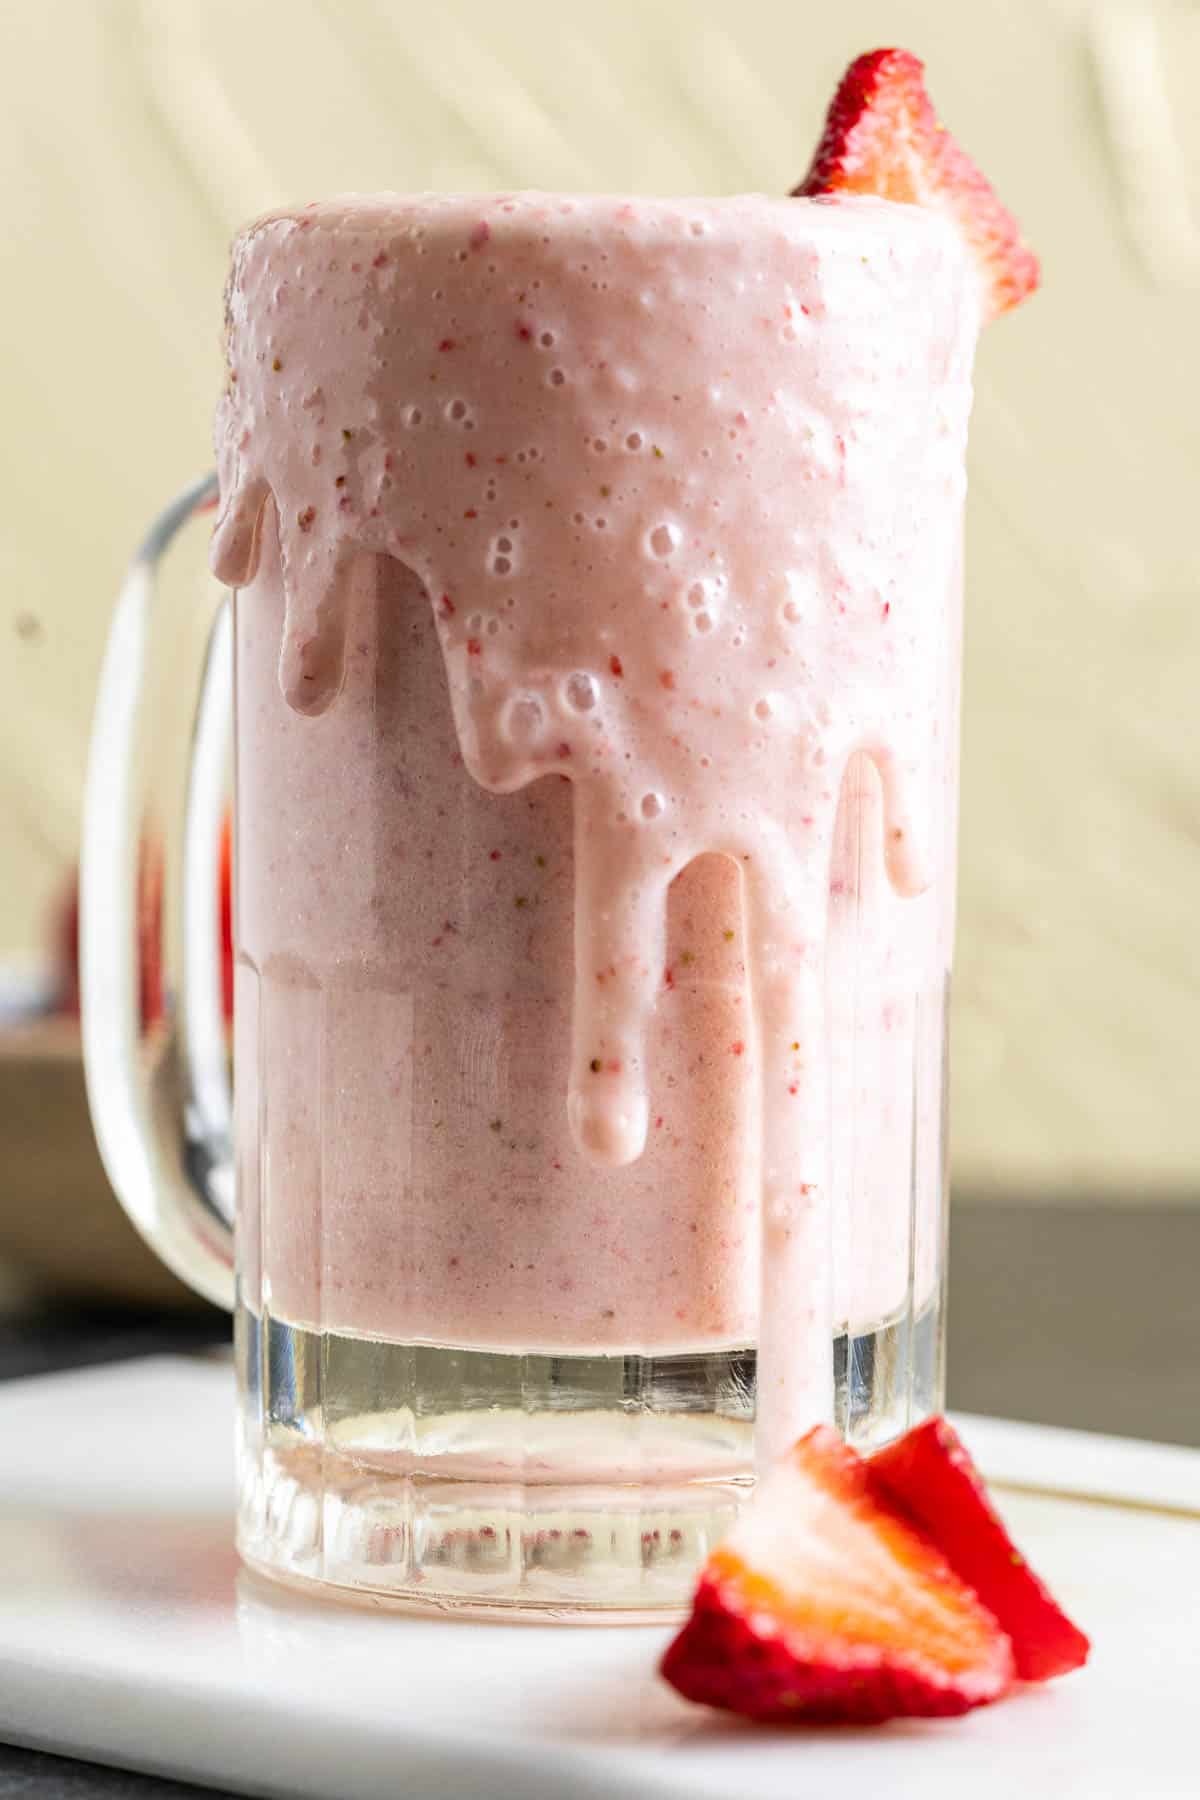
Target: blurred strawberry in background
point(65, 945)
point(226, 880)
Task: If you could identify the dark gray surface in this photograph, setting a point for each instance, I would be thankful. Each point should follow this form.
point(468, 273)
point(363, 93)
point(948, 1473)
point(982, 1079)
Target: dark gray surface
point(29, 1775)
point(70, 1336)
point(1083, 1316)
point(1069, 1315)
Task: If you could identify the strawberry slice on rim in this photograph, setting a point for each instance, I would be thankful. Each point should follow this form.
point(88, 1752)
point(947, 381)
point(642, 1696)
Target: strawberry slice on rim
point(825, 1605)
point(883, 137)
point(929, 1474)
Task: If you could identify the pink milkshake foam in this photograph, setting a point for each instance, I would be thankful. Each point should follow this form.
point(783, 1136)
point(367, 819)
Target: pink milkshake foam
point(682, 484)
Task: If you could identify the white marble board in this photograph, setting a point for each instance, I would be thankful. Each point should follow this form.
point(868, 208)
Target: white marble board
point(128, 1635)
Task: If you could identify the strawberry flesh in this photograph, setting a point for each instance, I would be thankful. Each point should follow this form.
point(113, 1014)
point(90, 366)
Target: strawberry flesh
point(883, 137)
point(930, 1476)
point(826, 1605)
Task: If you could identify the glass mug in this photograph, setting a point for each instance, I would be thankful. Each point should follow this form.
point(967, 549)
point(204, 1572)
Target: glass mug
point(478, 1367)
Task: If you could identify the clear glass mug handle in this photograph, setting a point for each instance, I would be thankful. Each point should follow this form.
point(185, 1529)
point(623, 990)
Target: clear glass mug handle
point(158, 1071)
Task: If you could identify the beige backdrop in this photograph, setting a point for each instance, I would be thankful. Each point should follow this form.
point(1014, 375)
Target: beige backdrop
point(136, 134)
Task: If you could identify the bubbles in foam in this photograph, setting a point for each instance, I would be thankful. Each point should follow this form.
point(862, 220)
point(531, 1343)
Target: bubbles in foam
point(634, 440)
point(652, 805)
point(413, 416)
point(702, 599)
point(763, 709)
point(556, 377)
point(456, 411)
point(523, 719)
point(663, 539)
point(547, 340)
point(796, 599)
point(475, 623)
point(580, 691)
point(501, 556)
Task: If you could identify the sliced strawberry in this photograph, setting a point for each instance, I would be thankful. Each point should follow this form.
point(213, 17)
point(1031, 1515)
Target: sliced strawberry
point(824, 1604)
point(882, 136)
point(929, 1474)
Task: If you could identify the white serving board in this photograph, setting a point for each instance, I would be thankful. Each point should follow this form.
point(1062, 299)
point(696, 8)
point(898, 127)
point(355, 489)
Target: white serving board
point(128, 1635)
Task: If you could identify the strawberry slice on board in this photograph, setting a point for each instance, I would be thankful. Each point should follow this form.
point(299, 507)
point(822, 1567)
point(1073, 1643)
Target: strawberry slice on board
point(883, 137)
point(930, 1476)
point(825, 1605)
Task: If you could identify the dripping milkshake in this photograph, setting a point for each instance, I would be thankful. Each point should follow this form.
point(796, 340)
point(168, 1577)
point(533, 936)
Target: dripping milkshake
point(597, 673)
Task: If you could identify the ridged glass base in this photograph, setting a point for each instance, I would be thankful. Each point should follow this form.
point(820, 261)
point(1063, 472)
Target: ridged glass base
point(555, 1485)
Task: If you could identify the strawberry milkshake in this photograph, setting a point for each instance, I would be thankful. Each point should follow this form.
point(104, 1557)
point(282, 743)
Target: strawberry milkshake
point(597, 676)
